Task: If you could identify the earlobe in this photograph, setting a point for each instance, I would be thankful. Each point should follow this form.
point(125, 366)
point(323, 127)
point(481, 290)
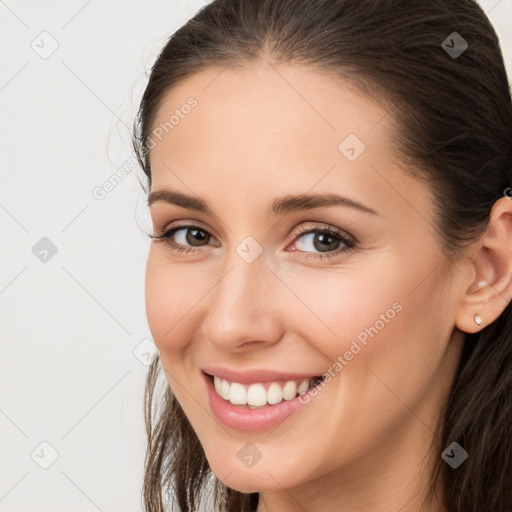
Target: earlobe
point(490, 289)
point(473, 312)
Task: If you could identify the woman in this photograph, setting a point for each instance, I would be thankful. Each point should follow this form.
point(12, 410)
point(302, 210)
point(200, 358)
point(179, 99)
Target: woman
point(329, 281)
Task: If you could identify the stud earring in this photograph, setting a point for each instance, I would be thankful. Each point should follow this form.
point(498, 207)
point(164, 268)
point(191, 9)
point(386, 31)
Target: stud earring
point(478, 320)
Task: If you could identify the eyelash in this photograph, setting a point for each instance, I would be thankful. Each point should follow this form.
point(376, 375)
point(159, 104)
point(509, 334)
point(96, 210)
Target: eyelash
point(349, 243)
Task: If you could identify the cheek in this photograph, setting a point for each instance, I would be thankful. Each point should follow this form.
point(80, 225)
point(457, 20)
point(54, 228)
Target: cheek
point(177, 298)
point(169, 297)
point(386, 349)
point(371, 322)
point(341, 306)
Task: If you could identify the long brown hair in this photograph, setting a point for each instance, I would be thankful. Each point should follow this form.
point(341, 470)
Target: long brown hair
point(454, 115)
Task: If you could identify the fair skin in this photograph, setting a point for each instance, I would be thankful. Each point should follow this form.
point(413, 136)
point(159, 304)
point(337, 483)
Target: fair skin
point(264, 132)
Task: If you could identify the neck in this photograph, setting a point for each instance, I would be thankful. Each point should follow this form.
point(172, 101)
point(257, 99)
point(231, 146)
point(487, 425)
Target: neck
point(398, 481)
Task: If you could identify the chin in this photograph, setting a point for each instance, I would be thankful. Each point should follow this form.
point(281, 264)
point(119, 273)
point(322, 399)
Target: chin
point(251, 483)
point(256, 479)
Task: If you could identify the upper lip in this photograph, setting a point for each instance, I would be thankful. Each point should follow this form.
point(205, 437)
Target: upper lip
point(255, 375)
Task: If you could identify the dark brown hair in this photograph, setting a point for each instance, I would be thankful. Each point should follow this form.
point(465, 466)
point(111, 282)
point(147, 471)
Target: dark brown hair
point(454, 118)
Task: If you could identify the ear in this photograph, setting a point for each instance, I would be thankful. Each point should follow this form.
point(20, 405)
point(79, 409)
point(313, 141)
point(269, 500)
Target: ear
point(488, 289)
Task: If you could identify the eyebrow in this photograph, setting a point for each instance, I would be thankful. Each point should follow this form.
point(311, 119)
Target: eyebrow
point(280, 205)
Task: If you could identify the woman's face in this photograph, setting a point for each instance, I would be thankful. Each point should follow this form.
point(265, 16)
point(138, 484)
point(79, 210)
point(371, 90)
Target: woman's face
point(369, 305)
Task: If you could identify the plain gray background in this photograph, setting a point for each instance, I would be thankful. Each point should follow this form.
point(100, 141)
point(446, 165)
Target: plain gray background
point(74, 336)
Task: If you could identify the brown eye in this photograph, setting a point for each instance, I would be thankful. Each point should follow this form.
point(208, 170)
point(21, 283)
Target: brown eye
point(320, 242)
point(195, 237)
point(186, 238)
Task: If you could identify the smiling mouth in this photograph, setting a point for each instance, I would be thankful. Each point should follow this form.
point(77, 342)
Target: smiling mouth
point(262, 394)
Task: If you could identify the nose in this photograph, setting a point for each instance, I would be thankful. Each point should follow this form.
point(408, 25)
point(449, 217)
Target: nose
point(244, 308)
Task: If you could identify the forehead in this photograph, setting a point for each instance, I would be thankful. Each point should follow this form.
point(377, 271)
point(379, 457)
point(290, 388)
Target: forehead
point(277, 129)
point(290, 108)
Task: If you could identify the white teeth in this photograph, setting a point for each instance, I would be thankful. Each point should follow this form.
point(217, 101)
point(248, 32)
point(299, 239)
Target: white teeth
point(257, 395)
point(274, 393)
point(224, 389)
point(290, 390)
point(303, 387)
point(237, 394)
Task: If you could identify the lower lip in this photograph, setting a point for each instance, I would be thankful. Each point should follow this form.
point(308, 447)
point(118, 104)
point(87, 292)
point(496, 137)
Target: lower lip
point(249, 420)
